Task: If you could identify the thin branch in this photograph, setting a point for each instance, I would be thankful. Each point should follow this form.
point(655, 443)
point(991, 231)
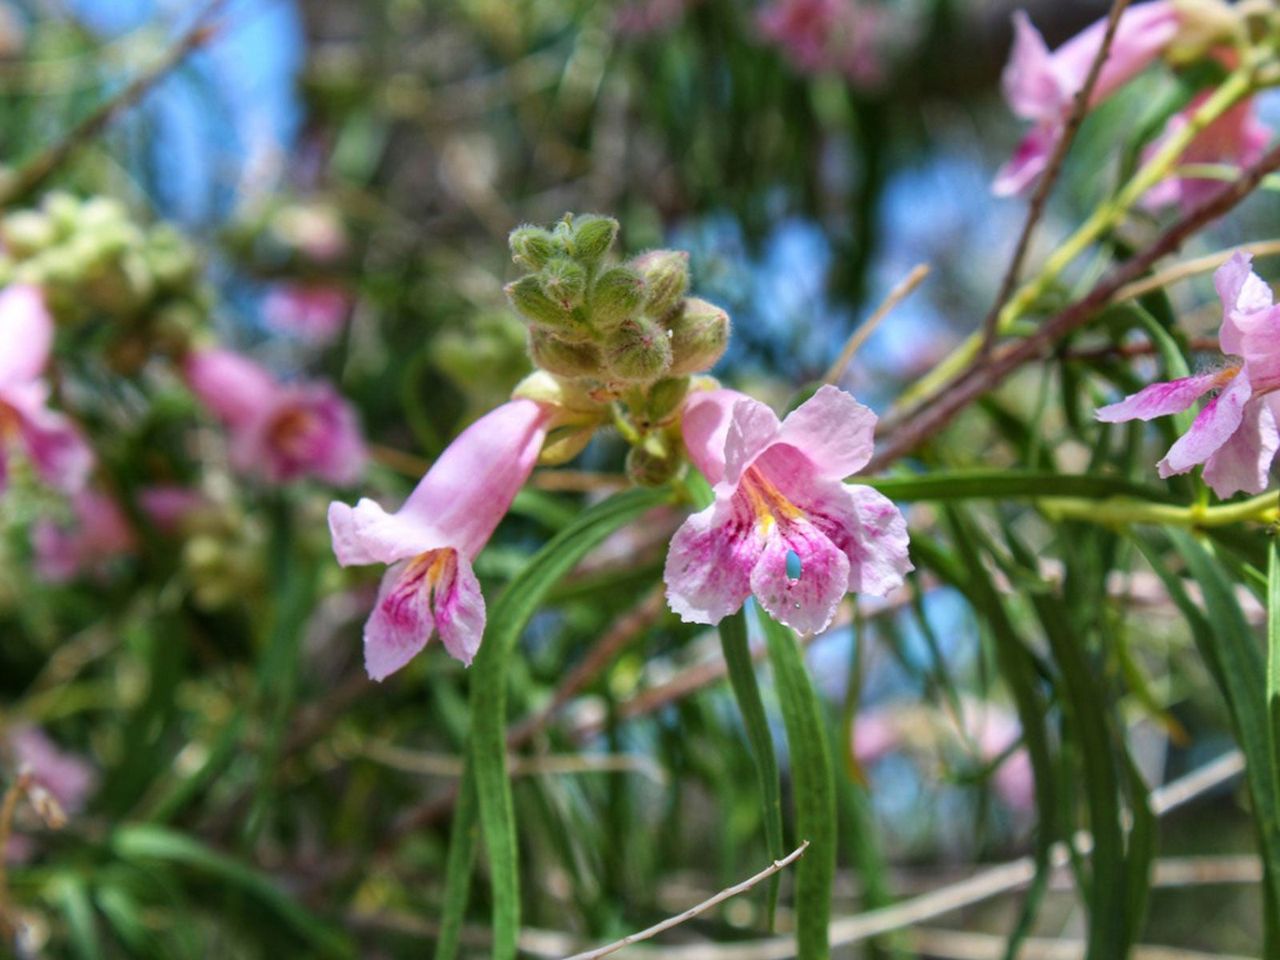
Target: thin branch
point(963, 945)
point(34, 173)
point(936, 411)
point(692, 912)
point(1190, 268)
point(990, 325)
point(859, 336)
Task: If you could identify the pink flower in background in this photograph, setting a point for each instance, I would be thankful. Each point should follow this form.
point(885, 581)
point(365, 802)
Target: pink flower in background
point(28, 427)
point(279, 431)
point(1235, 435)
point(315, 230)
point(68, 778)
point(98, 533)
point(432, 540)
point(784, 526)
point(876, 734)
point(996, 730)
point(646, 18)
point(168, 506)
point(1040, 86)
point(1237, 138)
point(313, 312)
point(841, 36)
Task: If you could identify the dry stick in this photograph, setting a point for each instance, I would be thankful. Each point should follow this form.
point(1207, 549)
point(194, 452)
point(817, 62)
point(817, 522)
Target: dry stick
point(692, 912)
point(964, 945)
point(859, 336)
point(937, 411)
point(1050, 176)
point(8, 807)
point(34, 173)
point(1190, 268)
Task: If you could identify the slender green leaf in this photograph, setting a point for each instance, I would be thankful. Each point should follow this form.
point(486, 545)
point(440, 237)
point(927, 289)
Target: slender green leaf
point(458, 867)
point(487, 753)
point(813, 782)
point(1007, 484)
point(742, 677)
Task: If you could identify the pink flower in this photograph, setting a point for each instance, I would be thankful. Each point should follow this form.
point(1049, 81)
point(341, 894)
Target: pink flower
point(66, 777)
point(98, 534)
point(841, 36)
point(28, 427)
point(876, 733)
point(1237, 138)
point(432, 540)
point(280, 431)
point(1040, 86)
point(783, 526)
point(312, 312)
point(1235, 435)
point(168, 506)
point(645, 18)
point(996, 730)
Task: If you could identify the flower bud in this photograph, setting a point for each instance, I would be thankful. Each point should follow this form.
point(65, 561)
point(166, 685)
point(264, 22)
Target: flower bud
point(666, 274)
point(1202, 25)
point(63, 209)
point(616, 295)
point(542, 387)
point(564, 281)
point(592, 237)
point(565, 443)
point(638, 350)
point(653, 462)
point(532, 246)
point(535, 306)
point(564, 359)
point(664, 398)
point(699, 335)
point(26, 232)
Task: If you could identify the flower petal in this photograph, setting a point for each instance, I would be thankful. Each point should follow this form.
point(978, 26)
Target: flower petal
point(366, 533)
point(1242, 293)
point(808, 602)
point(469, 489)
point(1160, 399)
point(705, 425)
point(833, 430)
point(401, 622)
point(753, 427)
point(54, 444)
point(459, 609)
point(1244, 461)
point(1029, 81)
point(1030, 157)
point(1215, 425)
point(709, 563)
point(26, 334)
point(878, 546)
point(235, 388)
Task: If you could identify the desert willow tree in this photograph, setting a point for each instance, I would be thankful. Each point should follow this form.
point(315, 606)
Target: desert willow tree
point(785, 520)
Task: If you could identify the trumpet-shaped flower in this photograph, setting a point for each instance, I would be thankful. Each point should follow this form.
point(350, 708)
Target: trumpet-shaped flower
point(97, 534)
point(51, 443)
point(432, 540)
point(1041, 86)
point(280, 431)
point(1235, 435)
point(1237, 138)
point(784, 526)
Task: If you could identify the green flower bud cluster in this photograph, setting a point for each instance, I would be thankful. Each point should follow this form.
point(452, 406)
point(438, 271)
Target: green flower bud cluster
point(94, 262)
point(618, 327)
point(614, 342)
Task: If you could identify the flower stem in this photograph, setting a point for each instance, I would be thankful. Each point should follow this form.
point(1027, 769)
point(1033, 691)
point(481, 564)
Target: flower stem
point(1124, 512)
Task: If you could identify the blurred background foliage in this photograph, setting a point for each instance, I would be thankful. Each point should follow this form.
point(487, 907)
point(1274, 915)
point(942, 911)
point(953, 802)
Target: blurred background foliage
point(253, 794)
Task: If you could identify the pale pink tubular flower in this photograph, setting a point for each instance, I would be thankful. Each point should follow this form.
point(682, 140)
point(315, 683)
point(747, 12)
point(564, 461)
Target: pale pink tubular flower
point(98, 533)
point(279, 431)
point(1235, 435)
point(996, 730)
point(1041, 86)
point(28, 427)
point(1237, 138)
point(780, 498)
point(70, 779)
point(314, 312)
point(432, 540)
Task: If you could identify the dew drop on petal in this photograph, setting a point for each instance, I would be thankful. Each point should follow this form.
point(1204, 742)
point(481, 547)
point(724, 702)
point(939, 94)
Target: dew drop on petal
point(794, 566)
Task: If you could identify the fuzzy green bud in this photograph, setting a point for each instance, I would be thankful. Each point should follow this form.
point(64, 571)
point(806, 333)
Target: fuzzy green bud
point(532, 246)
point(592, 237)
point(664, 398)
point(551, 391)
point(666, 275)
point(572, 360)
point(616, 296)
point(26, 232)
point(535, 306)
point(639, 351)
point(564, 281)
point(699, 335)
point(170, 258)
point(63, 209)
point(653, 462)
point(565, 443)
